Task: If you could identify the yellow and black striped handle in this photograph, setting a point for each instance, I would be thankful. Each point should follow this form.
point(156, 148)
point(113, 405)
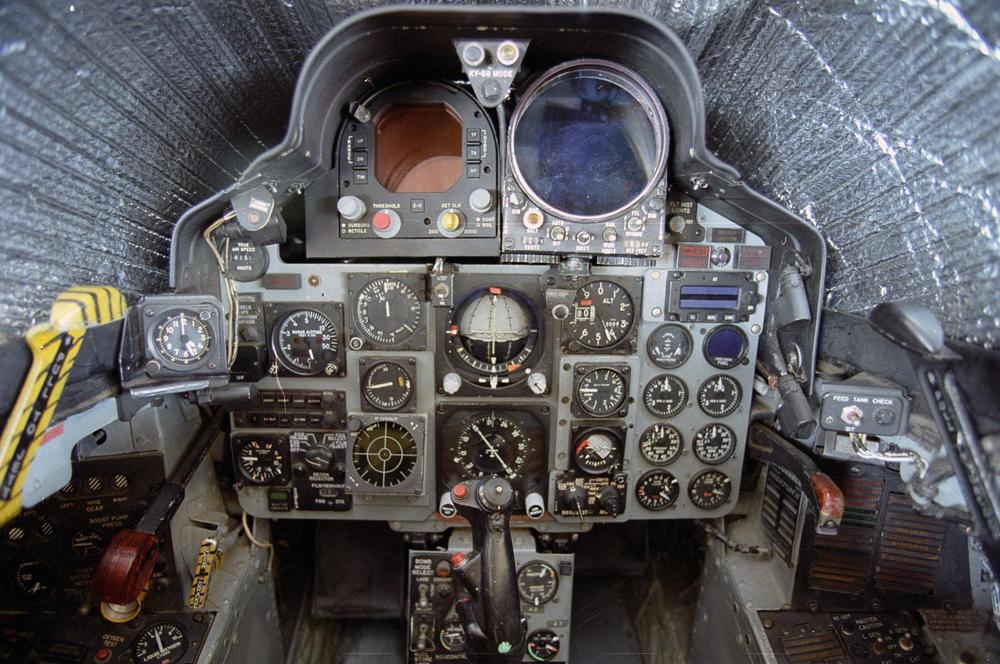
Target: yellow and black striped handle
point(54, 346)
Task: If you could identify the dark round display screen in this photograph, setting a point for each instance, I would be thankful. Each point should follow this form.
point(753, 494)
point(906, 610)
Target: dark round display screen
point(589, 142)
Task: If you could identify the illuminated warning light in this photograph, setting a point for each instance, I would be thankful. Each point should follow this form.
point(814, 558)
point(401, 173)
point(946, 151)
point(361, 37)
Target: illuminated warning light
point(586, 303)
point(494, 290)
point(513, 366)
point(453, 330)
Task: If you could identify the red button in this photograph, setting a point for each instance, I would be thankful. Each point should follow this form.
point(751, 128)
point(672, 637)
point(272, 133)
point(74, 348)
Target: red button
point(460, 491)
point(457, 559)
point(102, 655)
point(381, 221)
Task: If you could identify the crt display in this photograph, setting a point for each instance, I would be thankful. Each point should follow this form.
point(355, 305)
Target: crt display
point(585, 145)
point(418, 148)
point(710, 297)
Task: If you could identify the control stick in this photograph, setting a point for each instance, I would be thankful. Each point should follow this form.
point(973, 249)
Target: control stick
point(490, 610)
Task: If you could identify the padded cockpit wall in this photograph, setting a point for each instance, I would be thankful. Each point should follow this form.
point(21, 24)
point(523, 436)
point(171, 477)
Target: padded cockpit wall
point(877, 121)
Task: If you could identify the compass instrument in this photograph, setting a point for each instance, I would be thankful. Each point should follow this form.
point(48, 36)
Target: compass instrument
point(262, 460)
point(720, 396)
point(602, 315)
point(494, 331)
point(387, 312)
point(714, 443)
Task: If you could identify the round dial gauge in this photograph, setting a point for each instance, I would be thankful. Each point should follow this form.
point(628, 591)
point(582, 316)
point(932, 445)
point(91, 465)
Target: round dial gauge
point(725, 347)
point(714, 443)
point(657, 490)
point(261, 460)
point(33, 579)
point(182, 338)
point(387, 311)
point(602, 315)
point(452, 636)
point(665, 395)
point(720, 396)
point(543, 645)
point(494, 331)
point(162, 643)
point(387, 386)
point(660, 444)
point(87, 545)
point(493, 444)
point(537, 583)
point(710, 489)
point(597, 450)
point(306, 342)
point(602, 392)
point(384, 454)
point(669, 346)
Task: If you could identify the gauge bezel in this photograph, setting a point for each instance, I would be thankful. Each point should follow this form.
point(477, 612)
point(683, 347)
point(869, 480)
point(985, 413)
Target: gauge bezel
point(736, 403)
point(535, 634)
point(627, 344)
point(673, 457)
point(711, 358)
point(617, 434)
point(621, 76)
point(149, 628)
point(650, 345)
point(359, 338)
point(580, 373)
point(368, 364)
point(158, 352)
point(673, 496)
point(276, 313)
point(729, 451)
point(148, 315)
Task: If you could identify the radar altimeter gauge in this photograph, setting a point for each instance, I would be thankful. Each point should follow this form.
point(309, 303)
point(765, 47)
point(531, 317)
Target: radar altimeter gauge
point(182, 338)
point(306, 343)
point(710, 490)
point(262, 460)
point(602, 315)
point(387, 386)
point(720, 396)
point(665, 395)
point(387, 311)
point(494, 331)
point(384, 454)
point(161, 643)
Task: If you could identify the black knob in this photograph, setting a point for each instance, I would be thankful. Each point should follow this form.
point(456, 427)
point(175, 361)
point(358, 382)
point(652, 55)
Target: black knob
point(573, 499)
point(611, 500)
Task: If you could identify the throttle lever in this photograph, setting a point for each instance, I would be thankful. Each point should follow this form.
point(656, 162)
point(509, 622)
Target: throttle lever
point(491, 614)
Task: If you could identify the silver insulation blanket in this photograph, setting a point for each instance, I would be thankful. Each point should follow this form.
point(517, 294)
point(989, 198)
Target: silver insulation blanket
point(879, 122)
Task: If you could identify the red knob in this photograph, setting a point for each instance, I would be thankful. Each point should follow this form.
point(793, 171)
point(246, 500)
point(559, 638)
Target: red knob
point(381, 221)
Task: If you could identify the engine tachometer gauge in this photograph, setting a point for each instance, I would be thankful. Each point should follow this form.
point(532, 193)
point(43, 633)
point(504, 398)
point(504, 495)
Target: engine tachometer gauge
point(306, 342)
point(660, 444)
point(720, 396)
point(537, 583)
point(387, 311)
point(494, 331)
point(665, 395)
point(162, 643)
point(710, 490)
point(602, 315)
point(657, 490)
point(182, 338)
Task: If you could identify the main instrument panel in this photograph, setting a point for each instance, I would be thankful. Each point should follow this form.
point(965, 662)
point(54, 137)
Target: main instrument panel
point(488, 282)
